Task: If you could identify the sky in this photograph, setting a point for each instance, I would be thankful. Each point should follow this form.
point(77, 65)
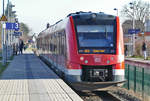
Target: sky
point(37, 13)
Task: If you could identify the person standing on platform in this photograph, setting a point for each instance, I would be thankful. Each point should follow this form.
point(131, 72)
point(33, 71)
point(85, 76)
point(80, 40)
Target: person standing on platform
point(144, 50)
point(21, 46)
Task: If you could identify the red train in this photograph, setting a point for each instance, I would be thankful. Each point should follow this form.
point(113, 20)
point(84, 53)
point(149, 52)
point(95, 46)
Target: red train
point(86, 49)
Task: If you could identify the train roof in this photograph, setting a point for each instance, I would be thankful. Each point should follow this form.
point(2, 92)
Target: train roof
point(81, 15)
point(100, 15)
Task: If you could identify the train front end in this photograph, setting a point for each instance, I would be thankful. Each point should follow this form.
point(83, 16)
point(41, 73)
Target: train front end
point(97, 53)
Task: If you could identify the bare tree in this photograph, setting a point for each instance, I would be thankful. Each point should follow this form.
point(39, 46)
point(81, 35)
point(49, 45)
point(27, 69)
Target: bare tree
point(25, 29)
point(140, 10)
point(128, 25)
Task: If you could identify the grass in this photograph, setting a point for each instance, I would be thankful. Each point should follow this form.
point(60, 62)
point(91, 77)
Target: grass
point(148, 58)
point(2, 68)
point(11, 58)
point(140, 57)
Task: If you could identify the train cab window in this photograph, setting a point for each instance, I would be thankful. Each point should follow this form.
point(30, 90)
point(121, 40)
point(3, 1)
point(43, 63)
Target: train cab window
point(95, 35)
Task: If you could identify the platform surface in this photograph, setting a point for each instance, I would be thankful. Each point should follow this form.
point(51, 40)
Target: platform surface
point(27, 78)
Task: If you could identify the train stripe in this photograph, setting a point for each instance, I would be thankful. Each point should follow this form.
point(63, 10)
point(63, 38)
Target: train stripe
point(74, 72)
point(118, 72)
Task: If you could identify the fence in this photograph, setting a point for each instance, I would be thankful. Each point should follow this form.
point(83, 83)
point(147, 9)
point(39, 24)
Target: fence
point(138, 79)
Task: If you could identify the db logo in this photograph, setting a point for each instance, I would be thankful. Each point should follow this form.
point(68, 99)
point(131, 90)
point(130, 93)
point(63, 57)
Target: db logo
point(97, 59)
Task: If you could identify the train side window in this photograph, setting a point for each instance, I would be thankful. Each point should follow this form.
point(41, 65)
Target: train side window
point(65, 46)
point(59, 36)
point(39, 43)
point(55, 43)
point(63, 34)
point(45, 42)
point(59, 43)
point(42, 43)
point(63, 43)
point(50, 44)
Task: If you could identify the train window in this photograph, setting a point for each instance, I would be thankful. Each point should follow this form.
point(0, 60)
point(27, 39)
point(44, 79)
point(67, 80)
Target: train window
point(48, 43)
point(60, 35)
point(42, 44)
point(62, 46)
point(65, 46)
point(52, 43)
point(55, 43)
point(57, 40)
point(95, 35)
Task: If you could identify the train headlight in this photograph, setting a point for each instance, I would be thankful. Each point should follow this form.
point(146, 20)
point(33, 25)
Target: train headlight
point(108, 61)
point(81, 58)
point(86, 61)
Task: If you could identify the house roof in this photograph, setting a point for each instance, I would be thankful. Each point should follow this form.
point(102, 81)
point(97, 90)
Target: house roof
point(145, 34)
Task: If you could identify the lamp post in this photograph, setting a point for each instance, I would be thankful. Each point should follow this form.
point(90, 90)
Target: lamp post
point(3, 37)
point(116, 10)
point(8, 32)
point(13, 18)
point(9, 39)
point(133, 27)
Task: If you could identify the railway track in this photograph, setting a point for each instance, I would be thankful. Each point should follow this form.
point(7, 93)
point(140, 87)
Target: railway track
point(98, 96)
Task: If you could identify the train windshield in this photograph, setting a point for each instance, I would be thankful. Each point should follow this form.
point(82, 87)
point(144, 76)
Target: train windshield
point(95, 35)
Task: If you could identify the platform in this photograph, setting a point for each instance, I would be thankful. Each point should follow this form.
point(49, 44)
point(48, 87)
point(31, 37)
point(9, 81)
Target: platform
point(27, 78)
point(138, 62)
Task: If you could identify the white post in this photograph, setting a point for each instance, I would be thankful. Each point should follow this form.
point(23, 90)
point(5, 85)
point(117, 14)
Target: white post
point(9, 48)
point(117, 11)
point(3, 43)
point(133, 27)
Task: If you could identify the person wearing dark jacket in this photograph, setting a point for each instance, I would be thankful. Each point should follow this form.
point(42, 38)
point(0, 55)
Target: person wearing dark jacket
point(21, 46)
point(144, 50)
